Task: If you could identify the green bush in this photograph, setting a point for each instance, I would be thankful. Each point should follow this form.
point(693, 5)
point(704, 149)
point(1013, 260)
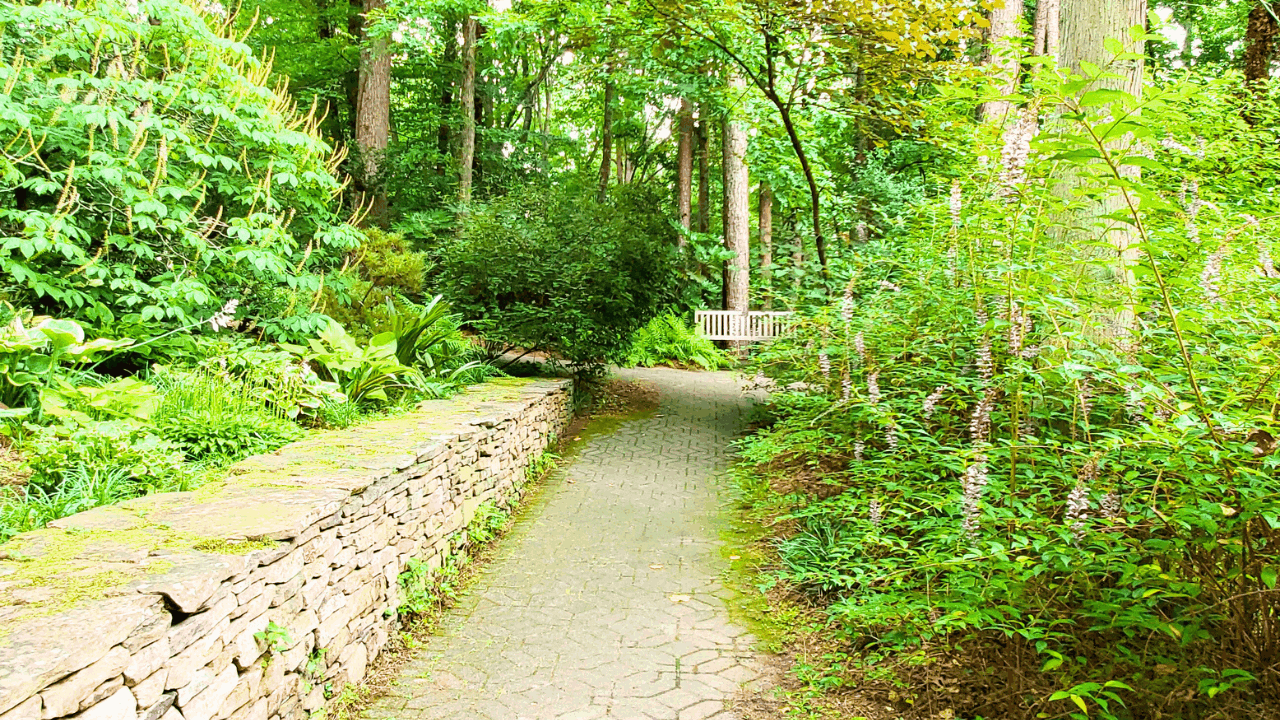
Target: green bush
point(550, 269)
point(669, 340)
point(990, 470)
point(151, 168)
point(149, 461)
point(216, 418)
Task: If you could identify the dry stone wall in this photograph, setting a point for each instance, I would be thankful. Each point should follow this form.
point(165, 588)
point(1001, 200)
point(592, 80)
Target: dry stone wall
point(248, 599)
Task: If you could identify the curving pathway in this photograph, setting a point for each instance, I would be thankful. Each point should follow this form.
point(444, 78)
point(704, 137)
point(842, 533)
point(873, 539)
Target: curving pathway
point(605, 600)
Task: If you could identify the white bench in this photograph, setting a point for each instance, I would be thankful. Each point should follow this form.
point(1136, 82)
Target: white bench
point(739, 326)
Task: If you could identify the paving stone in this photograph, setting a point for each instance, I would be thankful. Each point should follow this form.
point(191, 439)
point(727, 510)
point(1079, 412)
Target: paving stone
point(572, 621)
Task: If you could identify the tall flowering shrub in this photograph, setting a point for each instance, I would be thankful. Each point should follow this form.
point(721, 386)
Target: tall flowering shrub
point(149, 171)
point(1046, 492)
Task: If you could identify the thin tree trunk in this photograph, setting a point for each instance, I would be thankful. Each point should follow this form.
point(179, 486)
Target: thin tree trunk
point(815, 199)
point(797, 257)
point(1048, 13)
point(1002, 57)
point(443, 133)
point(766, 243)
point(467, 154)
point(606, 141)
point(1259, 43)
point(373, 114)
point(737, 212)
point(703, 136)
point(684, 163)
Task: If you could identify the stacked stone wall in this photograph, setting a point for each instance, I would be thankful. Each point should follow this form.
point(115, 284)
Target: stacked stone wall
point(258, 599)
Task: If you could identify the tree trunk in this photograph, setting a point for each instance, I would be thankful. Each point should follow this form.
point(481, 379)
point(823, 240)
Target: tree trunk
point(467, 153)
point(1048, 13)
point(1259, 43)
point(1084, 26)
point(766, 243)
point(373, 114)
point(606, 141)
point(1002, 57)
point(684, 162)
point(737, 212)
point(443, 138)
point(703, 137)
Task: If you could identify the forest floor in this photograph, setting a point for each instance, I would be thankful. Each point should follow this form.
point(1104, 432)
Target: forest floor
point(607, 600)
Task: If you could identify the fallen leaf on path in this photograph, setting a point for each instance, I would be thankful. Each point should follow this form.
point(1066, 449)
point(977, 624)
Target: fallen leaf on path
point(680, 598)
point(656, 566)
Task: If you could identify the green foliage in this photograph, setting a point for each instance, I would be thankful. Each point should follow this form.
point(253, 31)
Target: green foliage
point(541, 465)
point(149, 171)
point(489, 522)
point(550, 269)
point(669, 340)
point(386, 260)
point(276, 637)
point(990, 460)
point(32, 350)
point(147, 460)
point(216, 418)
point(83, 487)
point(425, 591)
point(365, 373)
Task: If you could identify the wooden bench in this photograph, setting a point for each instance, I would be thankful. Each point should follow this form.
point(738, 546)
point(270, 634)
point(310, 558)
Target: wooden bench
point(742, 327)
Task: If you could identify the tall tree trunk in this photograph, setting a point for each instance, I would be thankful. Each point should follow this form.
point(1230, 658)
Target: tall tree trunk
point(684, 164)
point(1259, 42)
point(443, 133)
point(1084, 26)
point(1002, 57)
point(737, 211)
point(702, 222)
point(797, 257)
point(766, 243)
point(606, 141)
point(1048, 13)
point(373, 114)
point(467, 153)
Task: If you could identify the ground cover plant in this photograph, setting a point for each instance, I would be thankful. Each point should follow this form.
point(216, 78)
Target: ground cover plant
point(669, 340)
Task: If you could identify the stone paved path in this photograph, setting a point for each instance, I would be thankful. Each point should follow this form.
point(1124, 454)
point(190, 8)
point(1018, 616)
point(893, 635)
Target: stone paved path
point(605, 601)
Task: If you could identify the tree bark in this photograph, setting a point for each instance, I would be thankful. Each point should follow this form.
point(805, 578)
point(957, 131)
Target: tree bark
point(1259, 42)
point(467, 153)
point(737, 212)
point(606, 141)
point(703, 137)
point(1048, 13)
point(684, 163)
point(766, 243)
point(443, 133)
point(1002, 57)
point(1084, 26)
point(373, 114)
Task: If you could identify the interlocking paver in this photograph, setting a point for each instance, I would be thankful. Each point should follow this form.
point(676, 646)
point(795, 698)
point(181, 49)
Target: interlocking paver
point(605, 602)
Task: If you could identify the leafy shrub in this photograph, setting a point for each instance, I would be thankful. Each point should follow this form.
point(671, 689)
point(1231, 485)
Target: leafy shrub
point(218, 419)
point(388, 261)
point(137, 137)
point(1001, 464)
point(668, 340)
point(287, 386)
point(150, 462)
point(365, 373)
point(551, 269)
point(33, 350)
